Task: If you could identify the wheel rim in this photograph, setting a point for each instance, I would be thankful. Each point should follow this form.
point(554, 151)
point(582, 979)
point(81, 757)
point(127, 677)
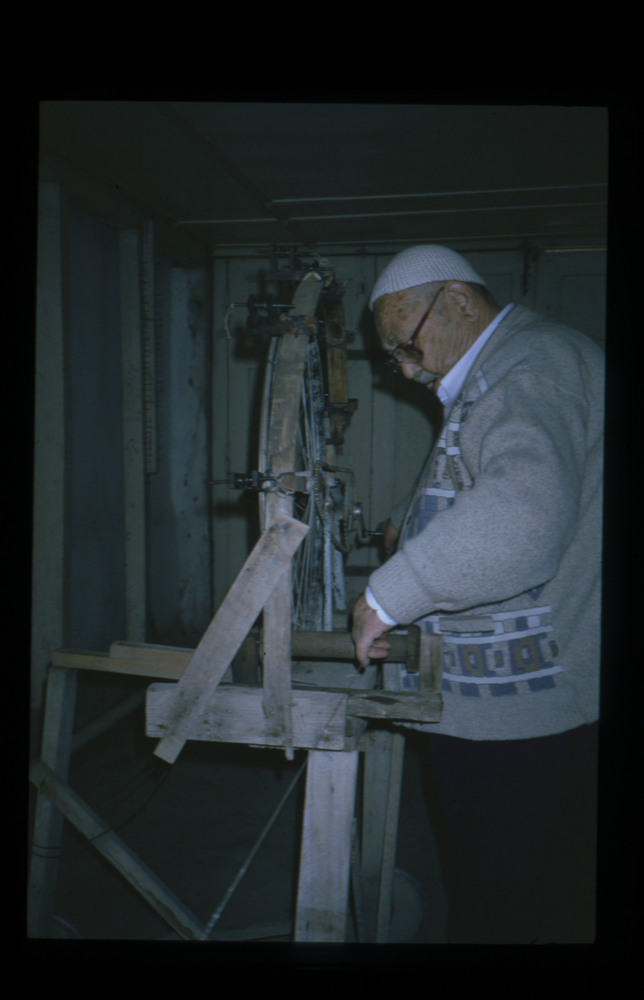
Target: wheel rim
point(308, 562)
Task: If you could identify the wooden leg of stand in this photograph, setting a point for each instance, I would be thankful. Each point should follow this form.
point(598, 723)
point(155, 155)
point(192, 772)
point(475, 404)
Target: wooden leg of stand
point(390, 839)
point(383, 763)
point(325, 860)
point(48, 824)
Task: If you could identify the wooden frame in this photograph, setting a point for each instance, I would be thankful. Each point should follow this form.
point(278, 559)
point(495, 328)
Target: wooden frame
point(329, 723)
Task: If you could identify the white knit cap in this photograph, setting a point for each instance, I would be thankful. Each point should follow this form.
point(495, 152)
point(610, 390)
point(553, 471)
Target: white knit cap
point(419, 265)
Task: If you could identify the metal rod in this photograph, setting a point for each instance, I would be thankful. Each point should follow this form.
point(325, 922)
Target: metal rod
point(216, 915)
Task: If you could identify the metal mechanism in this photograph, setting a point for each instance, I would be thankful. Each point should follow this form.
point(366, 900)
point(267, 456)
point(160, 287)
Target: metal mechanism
point(342, 494)
point(244, 480)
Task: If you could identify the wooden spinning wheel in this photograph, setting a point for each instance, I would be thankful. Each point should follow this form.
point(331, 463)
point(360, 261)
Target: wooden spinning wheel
point(292, 450)
point(292, 444)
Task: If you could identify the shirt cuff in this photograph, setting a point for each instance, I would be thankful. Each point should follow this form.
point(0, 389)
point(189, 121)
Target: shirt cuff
point(382, 614)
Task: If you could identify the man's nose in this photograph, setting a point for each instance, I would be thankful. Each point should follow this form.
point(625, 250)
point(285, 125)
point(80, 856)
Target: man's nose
point(410, 370)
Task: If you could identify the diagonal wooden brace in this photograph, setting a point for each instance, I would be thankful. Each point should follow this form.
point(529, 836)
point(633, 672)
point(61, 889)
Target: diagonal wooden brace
point(228, 629)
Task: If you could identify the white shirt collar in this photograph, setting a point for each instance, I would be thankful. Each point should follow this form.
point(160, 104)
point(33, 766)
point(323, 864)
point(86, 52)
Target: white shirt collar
point(451, 385)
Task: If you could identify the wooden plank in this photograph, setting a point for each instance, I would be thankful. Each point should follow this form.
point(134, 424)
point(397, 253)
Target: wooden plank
point(377, 743)
point(133, 443)
point(409, 705)
point(287, 391)
point(89, 660)
point(307, 295)
point(151, 653)
point(282, 443)
point(356, 883)
point(276, 675)
point(117, 852)
point(325, 859)
point(50, 448)
point(236, 715)
point(325, 675)
point(229, 627)
point(412, 706)
point(176, 658)
point(390, 838)
point(48, 822)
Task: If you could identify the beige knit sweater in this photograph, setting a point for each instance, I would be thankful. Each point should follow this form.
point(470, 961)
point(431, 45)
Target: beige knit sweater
point(505, 526)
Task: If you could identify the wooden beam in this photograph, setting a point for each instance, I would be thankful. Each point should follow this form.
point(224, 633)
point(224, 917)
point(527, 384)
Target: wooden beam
point(325, 860)
point(90, 660)
point(229, 627)
point(388, 863)
point(236, 715)
point(276, 673)
point(413, 706)
point(48, 823)
point(283, 441)
point(50, 450)
point(117, 852)
point(377, 759)
point(133, 438)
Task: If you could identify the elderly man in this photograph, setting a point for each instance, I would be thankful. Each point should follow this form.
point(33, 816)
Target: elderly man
point(499, 550)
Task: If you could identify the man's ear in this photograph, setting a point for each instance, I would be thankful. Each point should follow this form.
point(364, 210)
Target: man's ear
point(461, 301)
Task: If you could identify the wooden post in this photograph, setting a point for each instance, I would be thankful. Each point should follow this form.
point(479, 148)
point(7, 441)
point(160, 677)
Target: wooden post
point(133, 439)
point(284, 417)
point(381, 798)
point(325, 859)
point(390, 838)
point(48, 824)
point(228, 629)
point(277, 645)
point(116, 851)
point(50, 452)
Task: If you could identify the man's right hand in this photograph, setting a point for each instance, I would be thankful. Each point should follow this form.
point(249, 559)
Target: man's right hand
point(391, 536)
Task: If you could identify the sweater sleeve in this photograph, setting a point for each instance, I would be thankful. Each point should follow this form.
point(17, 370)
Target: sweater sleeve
point(524, 445)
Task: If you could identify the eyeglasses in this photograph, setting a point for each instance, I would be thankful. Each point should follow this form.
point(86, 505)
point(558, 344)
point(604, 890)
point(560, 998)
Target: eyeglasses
point(407, 353)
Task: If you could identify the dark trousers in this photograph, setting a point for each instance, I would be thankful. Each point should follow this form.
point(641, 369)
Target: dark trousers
point(518, 843)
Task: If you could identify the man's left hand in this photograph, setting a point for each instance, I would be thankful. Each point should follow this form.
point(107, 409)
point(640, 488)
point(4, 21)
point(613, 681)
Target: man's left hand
point(367, 633)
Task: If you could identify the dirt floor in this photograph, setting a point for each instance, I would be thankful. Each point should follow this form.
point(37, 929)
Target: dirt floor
point(195, 823)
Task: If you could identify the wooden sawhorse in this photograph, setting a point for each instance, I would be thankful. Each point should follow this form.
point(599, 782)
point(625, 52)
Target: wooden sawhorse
point(330, 854)
point(328, 720)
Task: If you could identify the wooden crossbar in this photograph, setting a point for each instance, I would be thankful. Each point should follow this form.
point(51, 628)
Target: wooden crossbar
point(228, 629)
